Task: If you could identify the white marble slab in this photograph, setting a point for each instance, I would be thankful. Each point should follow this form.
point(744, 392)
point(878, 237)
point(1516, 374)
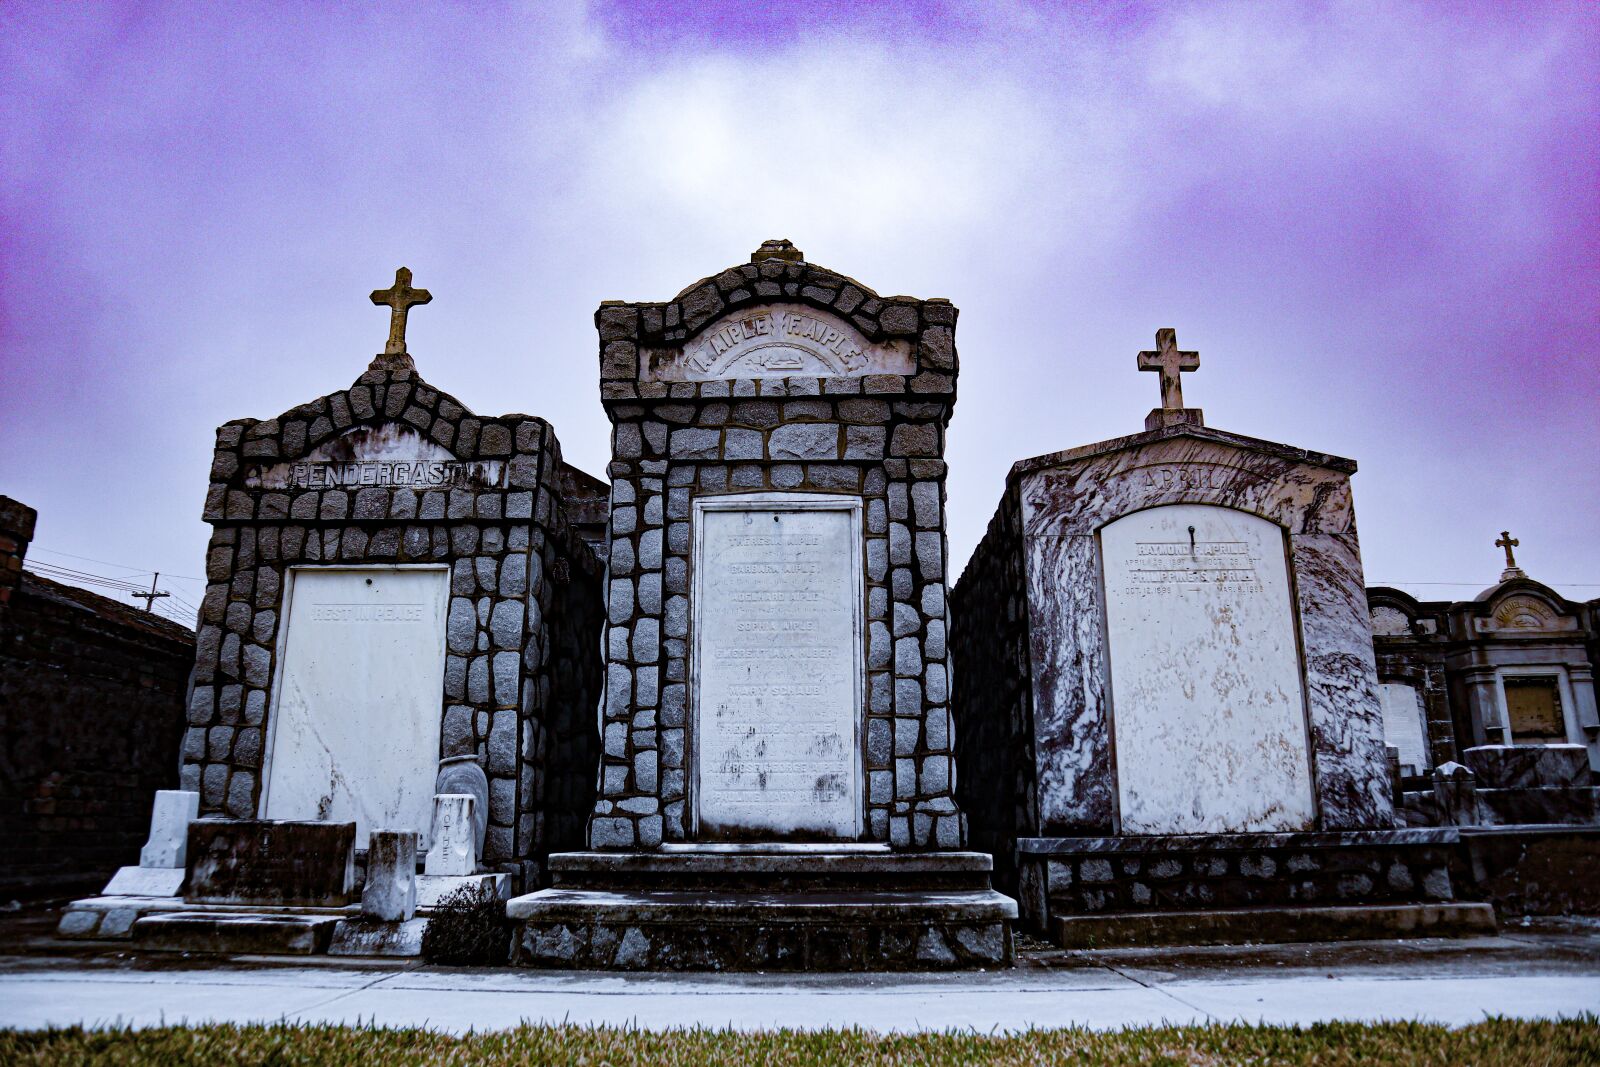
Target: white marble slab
point(1403, 723)
point(1208, 712)
point(778, 667)
point(355, 722)
point(454, 835)
point(145, 882)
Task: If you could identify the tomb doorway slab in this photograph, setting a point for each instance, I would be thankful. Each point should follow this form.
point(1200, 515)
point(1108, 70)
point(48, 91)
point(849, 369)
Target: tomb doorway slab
point(354, 726)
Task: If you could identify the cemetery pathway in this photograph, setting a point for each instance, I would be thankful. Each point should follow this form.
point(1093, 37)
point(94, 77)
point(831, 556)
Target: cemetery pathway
point(1533, 973)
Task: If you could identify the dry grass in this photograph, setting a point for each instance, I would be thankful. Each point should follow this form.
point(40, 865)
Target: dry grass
point(1487, 1044)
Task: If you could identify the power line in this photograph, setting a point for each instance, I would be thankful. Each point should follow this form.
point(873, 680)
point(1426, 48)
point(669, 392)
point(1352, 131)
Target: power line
point(109, 563)
point(1479, 584)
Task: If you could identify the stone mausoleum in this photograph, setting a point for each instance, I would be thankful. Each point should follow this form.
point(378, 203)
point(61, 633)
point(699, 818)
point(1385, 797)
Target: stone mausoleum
point(1490, 704)
point(397, 608)
point(776, 716)
point(1166, 696)
point(707, 712)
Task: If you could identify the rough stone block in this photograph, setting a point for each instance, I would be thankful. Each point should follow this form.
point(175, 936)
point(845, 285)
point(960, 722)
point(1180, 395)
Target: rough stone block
point(390, 894)
point(246, 861)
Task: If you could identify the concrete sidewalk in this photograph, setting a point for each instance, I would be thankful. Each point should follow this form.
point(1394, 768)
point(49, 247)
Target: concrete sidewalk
point(1542, 974)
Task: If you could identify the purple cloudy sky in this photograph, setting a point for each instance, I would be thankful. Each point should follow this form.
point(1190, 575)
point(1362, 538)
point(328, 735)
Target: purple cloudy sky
point(1378, 222)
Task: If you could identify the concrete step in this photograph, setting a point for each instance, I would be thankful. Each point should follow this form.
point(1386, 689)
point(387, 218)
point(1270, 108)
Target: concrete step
point(693, 930)
point(235, 934)
point(1272, 925)
point(786, 871)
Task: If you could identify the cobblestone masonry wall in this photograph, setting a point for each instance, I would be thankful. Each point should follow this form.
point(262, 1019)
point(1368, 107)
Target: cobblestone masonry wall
point(993, 697)
point(91, 711)
point(1176, 878)
point(877, 436)
point(515, 574)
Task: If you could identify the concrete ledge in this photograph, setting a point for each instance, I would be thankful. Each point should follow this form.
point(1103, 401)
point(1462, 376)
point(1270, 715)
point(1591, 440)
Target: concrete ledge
point(289, 935)
point(779, 862)
point(1239, 926)
point(748, 871)
point(730, 909)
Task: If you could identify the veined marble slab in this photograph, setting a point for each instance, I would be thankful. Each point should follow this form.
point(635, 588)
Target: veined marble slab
point(778, 671)
point(355, 720)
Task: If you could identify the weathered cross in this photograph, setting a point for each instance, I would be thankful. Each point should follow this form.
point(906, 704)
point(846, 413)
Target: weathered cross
point(1171, 363)
point(401, 298)
point(1508, 542)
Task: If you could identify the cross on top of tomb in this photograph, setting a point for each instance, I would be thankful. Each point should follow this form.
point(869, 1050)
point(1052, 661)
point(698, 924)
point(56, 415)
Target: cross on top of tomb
point(400, 298)
point(1170, 363)
point(1508, 542)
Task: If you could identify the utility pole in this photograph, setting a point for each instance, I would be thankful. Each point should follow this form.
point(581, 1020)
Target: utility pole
point(152, 596)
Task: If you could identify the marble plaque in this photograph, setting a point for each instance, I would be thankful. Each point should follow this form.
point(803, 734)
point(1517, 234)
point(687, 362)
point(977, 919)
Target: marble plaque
point(355, 719)
point(1207, 706)
point(1402, 724)
point(777, 610)
point(778, 341)
point(390, 456)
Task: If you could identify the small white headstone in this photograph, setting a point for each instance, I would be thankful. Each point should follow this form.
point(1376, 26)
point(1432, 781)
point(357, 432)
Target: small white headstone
point(454, 835)
point(391, 891)
point(168, 846)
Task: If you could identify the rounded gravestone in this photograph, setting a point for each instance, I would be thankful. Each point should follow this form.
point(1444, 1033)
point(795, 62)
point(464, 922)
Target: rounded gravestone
point(463, 774)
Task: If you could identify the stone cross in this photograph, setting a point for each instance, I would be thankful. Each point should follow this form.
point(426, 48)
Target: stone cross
point(401, 298)
point(1171, 363)
point(1508, 542)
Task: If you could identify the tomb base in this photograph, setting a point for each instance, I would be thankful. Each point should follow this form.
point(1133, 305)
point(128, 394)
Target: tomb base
point(1247, 926)
point(1300, 874)
point(802, 910)
point(1531, 870)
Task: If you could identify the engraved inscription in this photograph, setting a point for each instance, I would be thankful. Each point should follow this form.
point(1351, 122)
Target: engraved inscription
point(776, 705)
point(1164, 567)
point(387, 457)
point(386, 474)
point(777, 341)
point(1192, 476)
point(368, 612)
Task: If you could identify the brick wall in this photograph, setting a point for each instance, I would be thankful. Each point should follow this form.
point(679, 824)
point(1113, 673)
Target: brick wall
point(91, 712)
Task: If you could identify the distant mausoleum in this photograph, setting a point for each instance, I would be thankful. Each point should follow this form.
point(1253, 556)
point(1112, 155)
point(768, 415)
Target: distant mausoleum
point(1492, 701)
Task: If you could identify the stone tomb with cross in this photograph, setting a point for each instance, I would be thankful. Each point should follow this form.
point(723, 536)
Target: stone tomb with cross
point(396, 608)
point(777, 778)
point(1165, 692)
point(1491, 702)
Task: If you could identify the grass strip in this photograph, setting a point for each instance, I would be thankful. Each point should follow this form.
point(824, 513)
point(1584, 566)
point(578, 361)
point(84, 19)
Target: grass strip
point(1490, 1043)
